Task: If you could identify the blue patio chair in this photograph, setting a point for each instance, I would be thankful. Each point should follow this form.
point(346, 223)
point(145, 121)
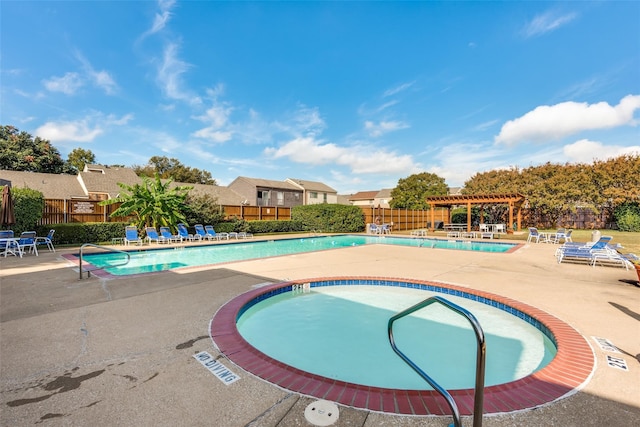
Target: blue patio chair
point(610, 256)
point(583, 252)
point(165, 232)
point(213, 235)
point(563, 234)
point(131, 235)
point(200, 231)
point(26, 240)
point(152, 234)
point(534, 234)
point(46, 240)
point(183, 232)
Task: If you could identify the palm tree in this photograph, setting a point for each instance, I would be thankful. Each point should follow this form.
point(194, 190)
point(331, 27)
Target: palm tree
point(154, 203)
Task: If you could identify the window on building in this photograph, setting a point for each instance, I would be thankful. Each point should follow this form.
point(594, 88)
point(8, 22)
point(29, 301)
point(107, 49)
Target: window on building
point(280, 196)
point(313, 195)
point(324, 197)
point(263, 198)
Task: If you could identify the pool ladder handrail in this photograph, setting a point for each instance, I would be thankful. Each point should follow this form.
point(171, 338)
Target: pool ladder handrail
point(105, 248)
point(478, 400)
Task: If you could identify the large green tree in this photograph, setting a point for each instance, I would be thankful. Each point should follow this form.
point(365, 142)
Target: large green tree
point(154, 203)
point(19, 151)
point(554, 190)
point(78, 157)
point(410, 193)
point(203, 209)
point(174, 169)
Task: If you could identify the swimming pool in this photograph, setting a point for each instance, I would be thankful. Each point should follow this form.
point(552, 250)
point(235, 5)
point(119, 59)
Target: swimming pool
point(569, 370)
point(152, 260)
point(340, 332)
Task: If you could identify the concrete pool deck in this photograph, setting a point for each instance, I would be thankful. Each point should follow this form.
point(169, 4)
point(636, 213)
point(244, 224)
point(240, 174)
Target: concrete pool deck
point(120, 351)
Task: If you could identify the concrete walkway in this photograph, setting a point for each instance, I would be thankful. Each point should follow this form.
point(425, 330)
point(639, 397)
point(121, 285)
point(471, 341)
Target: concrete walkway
point(120, 352)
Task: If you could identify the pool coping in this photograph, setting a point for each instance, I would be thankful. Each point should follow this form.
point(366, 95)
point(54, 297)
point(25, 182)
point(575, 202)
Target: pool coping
point(569, 371)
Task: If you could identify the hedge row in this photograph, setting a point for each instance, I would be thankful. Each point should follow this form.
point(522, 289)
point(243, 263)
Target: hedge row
point(103, 232)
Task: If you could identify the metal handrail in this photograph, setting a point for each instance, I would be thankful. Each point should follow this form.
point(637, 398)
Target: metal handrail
point(105, 248)
point(478, 401)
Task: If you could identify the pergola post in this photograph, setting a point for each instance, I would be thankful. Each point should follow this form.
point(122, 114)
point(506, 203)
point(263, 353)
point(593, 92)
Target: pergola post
point(468, 216)
point(510, 226)
point(433, 217)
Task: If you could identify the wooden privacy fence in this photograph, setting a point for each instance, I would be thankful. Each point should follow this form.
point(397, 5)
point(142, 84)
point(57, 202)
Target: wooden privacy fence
point(60, 211)
point(403, 219)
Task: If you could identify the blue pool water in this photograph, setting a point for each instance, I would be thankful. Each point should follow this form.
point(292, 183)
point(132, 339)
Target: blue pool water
point(146, 261)
point(340, 332)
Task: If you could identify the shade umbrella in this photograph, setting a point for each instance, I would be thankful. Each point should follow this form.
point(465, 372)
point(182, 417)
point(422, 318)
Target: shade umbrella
point(7, 216)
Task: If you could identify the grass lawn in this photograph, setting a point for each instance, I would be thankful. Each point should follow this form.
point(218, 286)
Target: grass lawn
point(630, 241)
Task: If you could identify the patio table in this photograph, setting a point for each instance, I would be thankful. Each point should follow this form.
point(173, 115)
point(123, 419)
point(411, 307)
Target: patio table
point(10, 246)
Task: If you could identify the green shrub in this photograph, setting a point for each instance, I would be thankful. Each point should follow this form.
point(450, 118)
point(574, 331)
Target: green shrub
point(81, 233)
point(202, 209)
point(28, 207)
point(330, 218)
point(259, 227)
point(629, 221)
point(627, 216)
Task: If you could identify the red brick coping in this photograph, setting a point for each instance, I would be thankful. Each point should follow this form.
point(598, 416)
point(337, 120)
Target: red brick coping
point(570, 369)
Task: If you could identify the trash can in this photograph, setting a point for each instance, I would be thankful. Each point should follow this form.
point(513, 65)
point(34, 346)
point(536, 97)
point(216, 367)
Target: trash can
point(595, 235)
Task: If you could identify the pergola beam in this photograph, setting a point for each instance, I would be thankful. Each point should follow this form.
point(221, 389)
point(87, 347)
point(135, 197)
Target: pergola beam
point(513, 200)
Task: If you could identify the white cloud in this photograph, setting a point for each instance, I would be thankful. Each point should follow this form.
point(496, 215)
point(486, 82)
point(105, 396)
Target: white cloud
point(170, 74)
point(307, 121)
point(485, 125)
point(360, 159)
point(379, 129)
point(102, 79)
point(78, 131)
point(81, 130)
point(400, 88)
point(547, 123)
point(72, 81)
point(161, 18)
point(586, 151)
point(67, 84)
point(546, 22)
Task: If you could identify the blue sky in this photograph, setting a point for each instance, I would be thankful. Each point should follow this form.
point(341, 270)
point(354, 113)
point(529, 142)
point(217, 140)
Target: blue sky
point(353, 94)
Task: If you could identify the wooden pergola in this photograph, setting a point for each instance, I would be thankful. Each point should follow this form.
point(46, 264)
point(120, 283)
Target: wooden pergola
point(515, 202)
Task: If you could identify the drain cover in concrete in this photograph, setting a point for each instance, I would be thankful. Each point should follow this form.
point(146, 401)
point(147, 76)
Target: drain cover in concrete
point(321, 413)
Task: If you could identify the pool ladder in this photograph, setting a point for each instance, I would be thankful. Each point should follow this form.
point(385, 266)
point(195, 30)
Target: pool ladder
point(100, 268)
point(478, 400)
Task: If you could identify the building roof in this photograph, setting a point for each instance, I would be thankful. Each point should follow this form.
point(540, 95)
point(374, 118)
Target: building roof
point(99, 179)
point(224, 195)
point(311, 185)
point(52, 186)
point(103, 179)
point(385, 193)
point(267, 183)
point(364, 195)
